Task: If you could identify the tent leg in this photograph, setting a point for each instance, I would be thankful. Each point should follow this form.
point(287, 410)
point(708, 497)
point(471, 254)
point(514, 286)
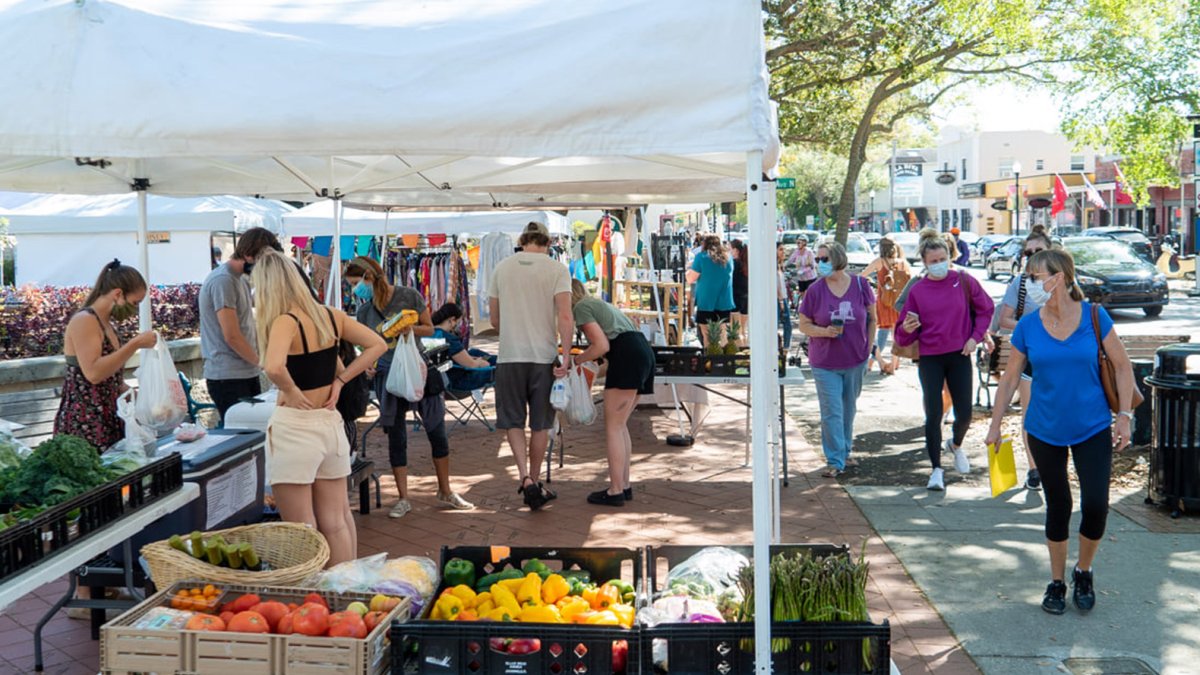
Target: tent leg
point(141, 185)
point(763, 378)
point(333, 288)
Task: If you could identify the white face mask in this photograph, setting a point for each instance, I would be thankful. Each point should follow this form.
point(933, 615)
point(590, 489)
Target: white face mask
point(940, 269)
point(1037, 292)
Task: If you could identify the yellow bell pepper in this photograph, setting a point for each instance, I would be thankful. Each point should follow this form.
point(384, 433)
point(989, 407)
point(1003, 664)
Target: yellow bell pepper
point(465, 593)
point(482, 608)
point(605, 618)
point(501, 614)
point(624, 613)
point(447, 607)
point(467, 615)
point(541, 614)
point(530, 593)
point(589, 594)
point(607, 596)
point(502, 597)
point(572, 605)
point(483, 597)
point(554, 587)
point(513, 585)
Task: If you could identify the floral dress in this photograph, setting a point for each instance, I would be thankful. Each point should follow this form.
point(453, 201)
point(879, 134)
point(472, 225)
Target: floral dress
point(90, 410)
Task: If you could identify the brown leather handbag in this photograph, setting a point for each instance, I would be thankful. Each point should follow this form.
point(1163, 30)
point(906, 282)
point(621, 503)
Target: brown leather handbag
point(1108, 371)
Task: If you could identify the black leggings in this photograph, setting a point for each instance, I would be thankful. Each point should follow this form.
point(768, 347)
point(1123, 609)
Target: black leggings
point(954, 370)
point(432, 410)
point(1093, 465)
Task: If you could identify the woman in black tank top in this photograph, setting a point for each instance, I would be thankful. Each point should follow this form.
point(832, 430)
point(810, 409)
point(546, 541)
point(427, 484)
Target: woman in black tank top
point(308, 453)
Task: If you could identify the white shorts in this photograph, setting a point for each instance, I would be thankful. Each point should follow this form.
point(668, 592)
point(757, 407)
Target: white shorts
point(306, 445)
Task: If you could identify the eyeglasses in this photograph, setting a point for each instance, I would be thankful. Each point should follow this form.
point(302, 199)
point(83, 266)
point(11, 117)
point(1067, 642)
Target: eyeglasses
point(1029, 252)
point(822, 258)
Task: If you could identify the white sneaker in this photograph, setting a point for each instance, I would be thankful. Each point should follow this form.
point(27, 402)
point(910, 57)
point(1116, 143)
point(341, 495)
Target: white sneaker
point(961, 463)
point(454, 501)
point(935, 481)
point(401, 508)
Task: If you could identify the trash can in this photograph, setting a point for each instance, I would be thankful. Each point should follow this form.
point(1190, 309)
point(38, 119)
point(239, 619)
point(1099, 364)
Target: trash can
point(1142, 369)
point(1175, 451)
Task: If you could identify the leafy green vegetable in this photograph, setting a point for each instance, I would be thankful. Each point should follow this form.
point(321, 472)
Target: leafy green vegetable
point(57, 470)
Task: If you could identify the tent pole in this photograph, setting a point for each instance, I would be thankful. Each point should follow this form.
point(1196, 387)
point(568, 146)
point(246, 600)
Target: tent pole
point(763, 377)
point(141, 185)
point(383, 251)
point(776, 391)
point(333, 289)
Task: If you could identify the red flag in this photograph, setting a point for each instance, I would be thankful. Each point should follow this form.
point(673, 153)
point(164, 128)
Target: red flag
point(1122, 196)
point(606, 229)
point(1060, 196)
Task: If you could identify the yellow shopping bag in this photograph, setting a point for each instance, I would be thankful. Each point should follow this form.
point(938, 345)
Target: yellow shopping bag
point(1002, 468)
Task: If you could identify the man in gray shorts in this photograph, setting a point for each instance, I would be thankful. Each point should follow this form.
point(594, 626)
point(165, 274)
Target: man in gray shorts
point(532, 292)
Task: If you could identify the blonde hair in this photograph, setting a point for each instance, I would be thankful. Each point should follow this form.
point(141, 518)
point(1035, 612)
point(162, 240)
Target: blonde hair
point(578, 292)
point(931, 240)
point(278, 287)
point(1055, 261)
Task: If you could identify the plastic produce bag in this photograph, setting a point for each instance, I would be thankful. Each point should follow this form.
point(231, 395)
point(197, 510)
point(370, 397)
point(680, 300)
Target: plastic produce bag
point(12, 450)
point(560, 393)
point(136, 436)
point(161, 403)
point(412, 577)
point(710, 573)
point(580, 409)
point(406, 378)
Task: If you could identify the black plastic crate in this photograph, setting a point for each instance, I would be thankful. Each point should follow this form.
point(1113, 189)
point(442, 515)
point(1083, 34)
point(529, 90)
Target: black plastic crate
point(60, 526)
point(678, 361)
point(700, 649)
point(444, 647)
point(729, 647)
point(733, 365)
point(430, 647)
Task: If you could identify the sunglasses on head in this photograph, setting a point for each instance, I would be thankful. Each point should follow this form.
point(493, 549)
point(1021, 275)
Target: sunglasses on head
point(822, 258)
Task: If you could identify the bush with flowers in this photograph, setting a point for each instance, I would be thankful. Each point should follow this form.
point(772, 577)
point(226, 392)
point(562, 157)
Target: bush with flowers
point(33, 319)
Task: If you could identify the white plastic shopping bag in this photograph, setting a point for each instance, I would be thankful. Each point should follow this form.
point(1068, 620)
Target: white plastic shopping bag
point(406, 378)
point(580, 409)
point(560, 393)
point(161, 403)
point(136, 436)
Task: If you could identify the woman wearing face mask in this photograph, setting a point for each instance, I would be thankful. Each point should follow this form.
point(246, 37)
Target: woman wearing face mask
point(947, 315)
point(382, 301)
point(1068, 414)
point(838, 314)
point(96, 358)
point(1018, 302)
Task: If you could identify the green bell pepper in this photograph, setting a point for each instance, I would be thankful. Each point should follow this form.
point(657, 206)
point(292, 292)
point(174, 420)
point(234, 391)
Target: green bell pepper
point(458, 571)
point(626, 589)
point(535, 566)
point(486, 582)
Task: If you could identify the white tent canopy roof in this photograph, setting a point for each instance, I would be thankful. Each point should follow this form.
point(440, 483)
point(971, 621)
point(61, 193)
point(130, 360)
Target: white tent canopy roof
point(86, 214)
point(316, 219)
point(488, 97)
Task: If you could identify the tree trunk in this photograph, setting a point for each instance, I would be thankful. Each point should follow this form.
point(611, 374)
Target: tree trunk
point(820, 210)
point(858, 157)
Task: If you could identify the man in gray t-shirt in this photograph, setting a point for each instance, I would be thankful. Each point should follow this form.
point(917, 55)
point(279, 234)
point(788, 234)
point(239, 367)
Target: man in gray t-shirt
point(227, 333)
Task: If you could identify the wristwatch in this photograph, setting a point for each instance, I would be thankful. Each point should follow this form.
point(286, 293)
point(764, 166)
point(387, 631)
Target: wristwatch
point(1126, 413)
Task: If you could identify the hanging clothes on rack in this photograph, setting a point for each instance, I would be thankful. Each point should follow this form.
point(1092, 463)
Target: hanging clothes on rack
point(440, 275)
point(492, 249)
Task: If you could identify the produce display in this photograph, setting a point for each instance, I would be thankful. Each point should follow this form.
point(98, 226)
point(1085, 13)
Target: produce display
point(216, 551)
point(534, 593)
point(411, 577)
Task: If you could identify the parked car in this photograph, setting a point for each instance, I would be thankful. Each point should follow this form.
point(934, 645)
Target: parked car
point(969, 237)
point(1132, 236)
point(1113, 274)
point(789, 237)
point(858, 253)
point(907, 241)
point(873, 239)
point(1005, 259)
point(986, 244)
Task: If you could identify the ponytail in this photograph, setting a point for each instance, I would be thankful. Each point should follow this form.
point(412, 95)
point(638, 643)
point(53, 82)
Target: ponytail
point(115, 276)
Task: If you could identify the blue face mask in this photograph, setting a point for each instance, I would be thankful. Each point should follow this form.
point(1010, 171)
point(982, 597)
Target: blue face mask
point(363, 291)
point(824, 268)
point(939, 270)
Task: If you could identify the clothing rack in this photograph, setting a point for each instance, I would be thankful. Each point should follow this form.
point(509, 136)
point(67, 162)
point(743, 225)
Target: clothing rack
point(439, 273)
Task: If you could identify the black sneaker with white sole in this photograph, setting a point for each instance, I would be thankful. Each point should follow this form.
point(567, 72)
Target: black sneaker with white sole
point(1083, 594)
point(1033, 480)
point(1055, 599)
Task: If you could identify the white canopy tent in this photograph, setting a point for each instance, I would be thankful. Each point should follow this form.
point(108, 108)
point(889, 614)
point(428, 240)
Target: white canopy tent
point(316, 219)
point(64, 240)
point(464, 102)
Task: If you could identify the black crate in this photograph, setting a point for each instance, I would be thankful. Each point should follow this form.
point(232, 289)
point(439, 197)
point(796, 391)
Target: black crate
point(729, 647)
point(678, 361)
point(56, 528)
point(430, 647)
point(703, 648)
point(444, 647)
point(734, 365)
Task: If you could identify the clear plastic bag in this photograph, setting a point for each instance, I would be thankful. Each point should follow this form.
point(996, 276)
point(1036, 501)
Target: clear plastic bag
point(412, 577)
point(12, 450)
point(709, 574)
point(161, 403)
point(560, 393)
point(406, 377)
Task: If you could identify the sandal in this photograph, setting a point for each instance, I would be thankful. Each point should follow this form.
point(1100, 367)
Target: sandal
point(831, 472)
point(532, 493)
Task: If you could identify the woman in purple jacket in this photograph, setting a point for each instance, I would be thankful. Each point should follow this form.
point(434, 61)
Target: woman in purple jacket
point(948, 322)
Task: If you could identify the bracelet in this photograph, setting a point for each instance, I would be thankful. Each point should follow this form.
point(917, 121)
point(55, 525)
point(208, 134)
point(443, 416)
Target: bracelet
point(1126, 413)
point(339, 379)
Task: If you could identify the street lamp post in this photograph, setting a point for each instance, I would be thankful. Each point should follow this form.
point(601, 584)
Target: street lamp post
point(1016, 167)
point(872, 210)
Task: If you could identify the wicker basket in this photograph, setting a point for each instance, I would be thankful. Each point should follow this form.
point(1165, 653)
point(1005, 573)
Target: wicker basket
point(294, 551)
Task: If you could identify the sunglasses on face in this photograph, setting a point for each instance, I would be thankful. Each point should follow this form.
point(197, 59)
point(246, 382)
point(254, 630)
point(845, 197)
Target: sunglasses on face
point(822, 258)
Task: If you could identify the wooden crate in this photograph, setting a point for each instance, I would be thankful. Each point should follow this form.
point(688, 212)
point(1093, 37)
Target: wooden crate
point(126, 650)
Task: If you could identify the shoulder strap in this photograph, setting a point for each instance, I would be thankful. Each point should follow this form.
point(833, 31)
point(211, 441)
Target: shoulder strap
point(303, 338)
point(1096, 330)
point(333, 323)
point(1021, 298)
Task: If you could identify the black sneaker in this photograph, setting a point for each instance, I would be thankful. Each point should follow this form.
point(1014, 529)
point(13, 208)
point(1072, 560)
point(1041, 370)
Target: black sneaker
point(628, 494)
point(1033, 480)
point(547, 493)
point(1055, 599)
point(602, 498)
point(1084, 596)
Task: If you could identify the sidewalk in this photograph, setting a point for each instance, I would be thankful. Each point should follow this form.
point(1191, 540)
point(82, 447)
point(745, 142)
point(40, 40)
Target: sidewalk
point(982, 562)
point(698, 495)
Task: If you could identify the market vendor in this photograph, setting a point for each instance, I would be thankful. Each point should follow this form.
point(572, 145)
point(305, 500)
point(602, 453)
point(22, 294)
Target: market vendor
point(381, 302)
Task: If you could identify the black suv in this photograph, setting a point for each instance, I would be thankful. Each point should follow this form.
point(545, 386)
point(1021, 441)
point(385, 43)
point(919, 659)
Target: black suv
point(1134, 237)
point(1112, 274)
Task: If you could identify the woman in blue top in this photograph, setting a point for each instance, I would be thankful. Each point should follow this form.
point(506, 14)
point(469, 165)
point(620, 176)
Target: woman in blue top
point(476, 367)
point(712, 273)
point(1068, 413)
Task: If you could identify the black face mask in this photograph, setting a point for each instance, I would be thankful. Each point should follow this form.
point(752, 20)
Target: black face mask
point(247, 267)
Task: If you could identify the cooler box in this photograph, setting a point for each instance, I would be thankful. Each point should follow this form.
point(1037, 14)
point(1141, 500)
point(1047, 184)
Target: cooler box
point(253, 413)
point(228, 466)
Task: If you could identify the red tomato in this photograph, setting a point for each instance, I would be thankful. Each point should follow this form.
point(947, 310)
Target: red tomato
point(311, 619)
point(372, 619)
point(249, 622)
point(316, 598)
point(347, 624)
point(227, 616)
point(244, 603)
point(204, 622)
point(285, 624)
point(272, 610)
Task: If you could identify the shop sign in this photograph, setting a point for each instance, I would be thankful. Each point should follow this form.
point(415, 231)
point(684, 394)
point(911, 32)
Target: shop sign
point(1000, 205)
point(970, 191)
point(157, 237)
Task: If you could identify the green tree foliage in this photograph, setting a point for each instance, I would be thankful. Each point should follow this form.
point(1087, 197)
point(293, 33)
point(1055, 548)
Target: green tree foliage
point(819, 176)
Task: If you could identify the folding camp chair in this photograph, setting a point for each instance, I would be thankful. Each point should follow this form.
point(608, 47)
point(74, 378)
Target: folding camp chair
point(194, 407)
point(470, 401)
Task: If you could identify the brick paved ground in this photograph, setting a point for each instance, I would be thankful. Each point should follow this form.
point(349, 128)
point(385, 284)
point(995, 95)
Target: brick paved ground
point(698, 495)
